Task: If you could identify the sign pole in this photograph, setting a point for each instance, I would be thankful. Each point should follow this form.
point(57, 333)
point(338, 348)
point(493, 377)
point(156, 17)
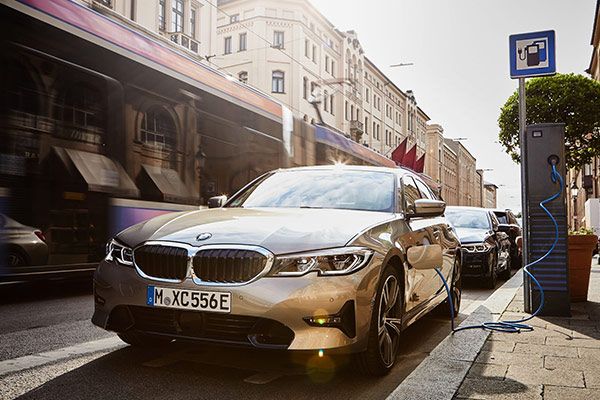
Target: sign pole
point(524, 211)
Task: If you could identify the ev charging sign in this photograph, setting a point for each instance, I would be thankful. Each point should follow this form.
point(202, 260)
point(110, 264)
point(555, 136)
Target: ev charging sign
point(532, 54)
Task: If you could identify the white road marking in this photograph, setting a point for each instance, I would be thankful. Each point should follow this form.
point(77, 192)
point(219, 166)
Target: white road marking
point(52, 356)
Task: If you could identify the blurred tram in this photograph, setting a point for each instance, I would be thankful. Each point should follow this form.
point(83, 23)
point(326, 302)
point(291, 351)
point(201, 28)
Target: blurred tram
point(102, 127)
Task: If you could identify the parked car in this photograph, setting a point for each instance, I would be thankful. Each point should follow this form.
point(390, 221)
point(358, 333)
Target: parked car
point(20, 245)
point(485, 248)
point(513, 229)
point(324, 258)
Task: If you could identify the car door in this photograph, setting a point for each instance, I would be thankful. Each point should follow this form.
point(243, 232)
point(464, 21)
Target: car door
point(422, 232)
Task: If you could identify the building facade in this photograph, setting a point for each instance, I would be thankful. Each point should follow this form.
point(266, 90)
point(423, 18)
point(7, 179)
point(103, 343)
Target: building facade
point(490, 195)
point(186, 24)
point(291, 51)
point(469, 185)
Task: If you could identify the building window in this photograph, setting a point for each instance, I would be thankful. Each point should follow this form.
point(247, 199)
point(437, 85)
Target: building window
point(107, 3)
point(305, 88)
point(313, 88)
point(227, 45)
point(306, 48)
point(177, 22)
point(234, 18)
point(193, 23)
point(158, 129)
point(314, 53)
point(351, 112)
point(243, 41)
point(326, 100)
point(374, 130)
point(332, 68)
point(367, 125)
point(331, 109)
point(279, 39)
point(367, 95)
point(278, 82)
point(161, 15)
point(326, 63)
point(243, 77)
point(346, 110)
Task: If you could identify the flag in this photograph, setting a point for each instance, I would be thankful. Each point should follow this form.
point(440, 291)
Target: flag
point(399, 152)
point(420, 164)
point(409, 159)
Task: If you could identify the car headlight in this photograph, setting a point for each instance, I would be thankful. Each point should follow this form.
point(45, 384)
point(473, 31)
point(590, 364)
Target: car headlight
point(115, 251)
point(478, 248)
point(340, 261)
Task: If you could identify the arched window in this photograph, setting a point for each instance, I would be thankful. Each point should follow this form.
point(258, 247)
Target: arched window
point(278, 82)
point(158, 129)
point(84, 110)
point(243, 77)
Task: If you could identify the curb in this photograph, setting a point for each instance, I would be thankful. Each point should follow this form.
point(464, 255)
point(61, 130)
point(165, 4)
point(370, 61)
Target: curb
point(440, 375)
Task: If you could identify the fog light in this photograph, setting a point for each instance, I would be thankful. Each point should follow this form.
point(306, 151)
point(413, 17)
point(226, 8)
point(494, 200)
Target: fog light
point(344, 320)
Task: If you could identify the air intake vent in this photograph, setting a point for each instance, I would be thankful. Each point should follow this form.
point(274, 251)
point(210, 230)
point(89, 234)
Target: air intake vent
point(228, 265)
point(162, 262)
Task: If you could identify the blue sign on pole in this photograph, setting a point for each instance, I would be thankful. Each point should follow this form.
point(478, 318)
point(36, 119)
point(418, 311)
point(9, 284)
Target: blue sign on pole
point(532, 54)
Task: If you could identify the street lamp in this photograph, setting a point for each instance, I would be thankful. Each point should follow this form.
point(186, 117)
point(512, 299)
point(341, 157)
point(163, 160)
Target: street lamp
point(574, 191)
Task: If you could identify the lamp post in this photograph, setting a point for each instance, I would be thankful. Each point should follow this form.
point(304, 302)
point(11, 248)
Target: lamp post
point(574, 194)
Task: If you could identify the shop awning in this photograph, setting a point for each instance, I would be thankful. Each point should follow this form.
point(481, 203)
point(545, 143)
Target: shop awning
point(164, 184)
point(100, 173)
point(340, 142)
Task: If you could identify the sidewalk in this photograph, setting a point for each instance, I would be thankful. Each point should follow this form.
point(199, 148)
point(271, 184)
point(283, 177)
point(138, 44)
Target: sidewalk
point(560, 359)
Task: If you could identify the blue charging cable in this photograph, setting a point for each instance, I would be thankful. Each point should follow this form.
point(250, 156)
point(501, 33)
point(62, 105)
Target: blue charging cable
point(516, 325)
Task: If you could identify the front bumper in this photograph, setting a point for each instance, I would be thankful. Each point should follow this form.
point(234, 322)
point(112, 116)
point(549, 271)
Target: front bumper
point(266, 313)
point(476, 264)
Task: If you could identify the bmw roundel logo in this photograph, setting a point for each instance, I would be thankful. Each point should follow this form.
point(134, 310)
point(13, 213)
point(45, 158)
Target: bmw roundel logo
point(203, 236)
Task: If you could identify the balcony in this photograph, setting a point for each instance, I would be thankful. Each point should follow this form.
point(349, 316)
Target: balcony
point(184, 41)
point(356, 130)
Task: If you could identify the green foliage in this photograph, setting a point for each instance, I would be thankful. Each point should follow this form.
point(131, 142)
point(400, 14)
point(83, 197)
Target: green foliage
point(564, 98)
point(582, 231)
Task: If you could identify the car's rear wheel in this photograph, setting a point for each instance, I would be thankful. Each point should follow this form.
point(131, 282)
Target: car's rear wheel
point(505, 275)
point(384, 334)
point(140, 339)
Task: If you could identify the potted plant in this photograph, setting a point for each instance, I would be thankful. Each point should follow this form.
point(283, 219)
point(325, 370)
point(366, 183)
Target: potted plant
point(581, 247)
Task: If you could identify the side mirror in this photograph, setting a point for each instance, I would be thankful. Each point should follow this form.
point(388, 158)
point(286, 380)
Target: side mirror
point(428, 208)
point(425, 257)
point(504, 228)
point(217, 201)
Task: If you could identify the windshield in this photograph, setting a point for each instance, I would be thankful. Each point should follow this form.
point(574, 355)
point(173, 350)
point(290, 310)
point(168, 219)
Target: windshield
point(344, 189)
point(473, 219)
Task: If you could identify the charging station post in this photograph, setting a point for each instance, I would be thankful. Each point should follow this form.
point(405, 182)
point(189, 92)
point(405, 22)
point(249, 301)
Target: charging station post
point(533, 54)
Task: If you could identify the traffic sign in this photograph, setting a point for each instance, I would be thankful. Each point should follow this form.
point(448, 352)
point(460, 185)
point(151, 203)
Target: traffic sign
point(532, 54)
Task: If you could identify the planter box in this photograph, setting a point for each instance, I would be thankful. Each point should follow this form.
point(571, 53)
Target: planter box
point(580, 264)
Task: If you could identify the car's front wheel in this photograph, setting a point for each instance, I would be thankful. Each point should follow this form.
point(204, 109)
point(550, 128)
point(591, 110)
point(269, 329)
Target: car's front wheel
point(140, 339)
point(384, 334)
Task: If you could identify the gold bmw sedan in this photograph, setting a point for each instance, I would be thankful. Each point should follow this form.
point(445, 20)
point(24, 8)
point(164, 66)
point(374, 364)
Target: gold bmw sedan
point(326, 258)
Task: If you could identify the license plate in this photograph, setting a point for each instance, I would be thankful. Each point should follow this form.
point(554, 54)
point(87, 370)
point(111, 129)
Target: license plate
point(189, 299)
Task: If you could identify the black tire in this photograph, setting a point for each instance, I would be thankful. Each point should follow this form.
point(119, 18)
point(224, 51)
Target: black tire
point(372, 361)
point(505, 275)
point(140, 339)
point(490, 281)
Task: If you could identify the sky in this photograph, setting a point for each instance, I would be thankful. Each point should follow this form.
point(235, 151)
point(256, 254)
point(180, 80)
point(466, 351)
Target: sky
point(459, 49)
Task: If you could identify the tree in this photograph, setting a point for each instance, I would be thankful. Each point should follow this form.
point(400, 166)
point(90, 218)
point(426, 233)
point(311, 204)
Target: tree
point(565, 98)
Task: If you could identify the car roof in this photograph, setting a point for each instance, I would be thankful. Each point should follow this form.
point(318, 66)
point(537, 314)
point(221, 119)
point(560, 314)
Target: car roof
point(343, 167)
point(469, 208)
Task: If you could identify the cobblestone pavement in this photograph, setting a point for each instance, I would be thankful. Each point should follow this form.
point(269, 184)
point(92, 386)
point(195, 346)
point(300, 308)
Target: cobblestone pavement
point(560, 359)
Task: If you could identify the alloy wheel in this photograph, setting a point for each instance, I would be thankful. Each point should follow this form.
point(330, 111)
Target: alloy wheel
point(388, 322)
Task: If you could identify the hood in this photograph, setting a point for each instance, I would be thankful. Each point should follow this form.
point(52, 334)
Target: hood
point(471, 235)
point(279, 230)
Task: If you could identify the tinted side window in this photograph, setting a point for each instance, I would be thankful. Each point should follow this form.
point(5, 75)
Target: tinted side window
point(425, 191)
point(495, 222)
point(502, 218)
point(411, 193)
